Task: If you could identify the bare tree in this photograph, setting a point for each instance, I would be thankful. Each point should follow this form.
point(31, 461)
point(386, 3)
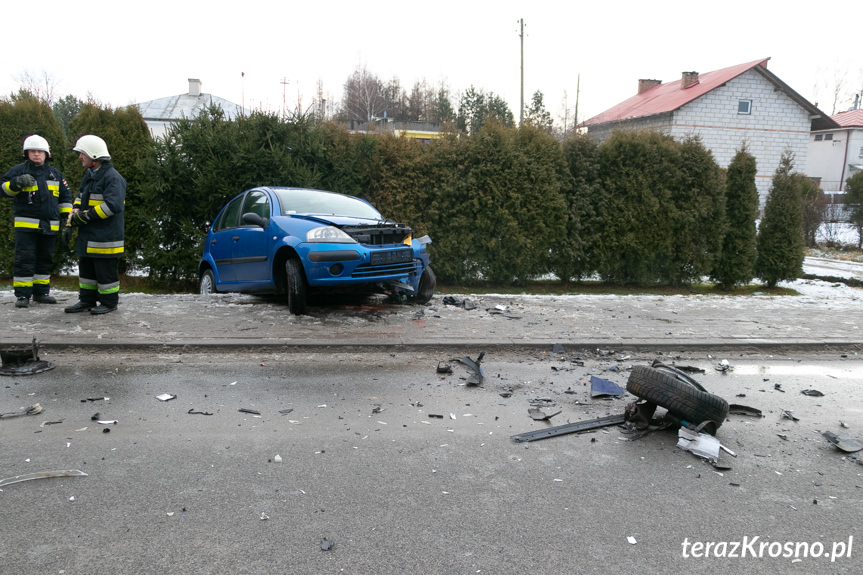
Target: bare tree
point(43, 88)
point(363, 97)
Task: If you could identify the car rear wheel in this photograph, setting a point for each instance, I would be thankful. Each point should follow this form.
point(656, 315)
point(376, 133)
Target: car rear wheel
point(295, 286)
point(425, 289)
point(208, 283)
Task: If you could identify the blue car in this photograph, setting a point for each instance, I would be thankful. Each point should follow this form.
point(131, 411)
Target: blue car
point(294, 241)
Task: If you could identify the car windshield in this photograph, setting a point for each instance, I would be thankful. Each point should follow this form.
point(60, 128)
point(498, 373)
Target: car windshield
point(299, 201)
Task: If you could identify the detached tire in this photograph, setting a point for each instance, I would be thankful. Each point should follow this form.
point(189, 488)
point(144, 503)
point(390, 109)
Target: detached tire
point(425, 289)
point(680, 398)
point(295, 284)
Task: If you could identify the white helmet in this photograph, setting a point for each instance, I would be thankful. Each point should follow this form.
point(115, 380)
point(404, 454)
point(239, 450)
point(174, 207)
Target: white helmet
point(93, 147)
point(35, 142)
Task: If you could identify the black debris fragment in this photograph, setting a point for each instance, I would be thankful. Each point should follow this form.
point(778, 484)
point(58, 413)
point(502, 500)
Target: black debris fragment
point(843, 442)
point(443, 367)
point(475, 378)
point(23, 361)
point(539, 415)
point(193, 411)
point(787, 413)
point(252, 411)
point(778, 387)
point(602, 388)
point(738, 409)
point(812, 393)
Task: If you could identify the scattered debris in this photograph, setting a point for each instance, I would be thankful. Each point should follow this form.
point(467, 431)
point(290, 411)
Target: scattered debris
point(700, 444)
point(41, 475)
point(32, 410)
point(251, 411)
point(166, 397)
point(789, 414)
point(631, 540)
point(475, 378)
point(286, 411)
point(539, 415)
point(326, 544)
point(465, 303)
point(107, 421)
point(689, 369)
point(23, 361)
point(778, 387)
point(724, 366)
point(443, 367)
point(602, 387)
point(812, 393)
point(843, 442)
point(738, 409)
point(95, 399)
point(277, 458)
point(558, 348)
point(782, 436)
point(193, 411)
point(576, 427)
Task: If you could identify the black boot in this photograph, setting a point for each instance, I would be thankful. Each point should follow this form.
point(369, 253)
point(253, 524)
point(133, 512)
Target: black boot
point(44, 298)
point(102, 308)
point(79, 307)
point(23, 302)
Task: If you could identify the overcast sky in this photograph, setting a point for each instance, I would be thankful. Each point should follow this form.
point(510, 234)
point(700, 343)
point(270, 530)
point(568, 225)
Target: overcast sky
point(124, 52)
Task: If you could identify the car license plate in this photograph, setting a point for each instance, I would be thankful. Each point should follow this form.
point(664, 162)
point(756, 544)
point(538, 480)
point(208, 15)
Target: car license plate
point(391, 257)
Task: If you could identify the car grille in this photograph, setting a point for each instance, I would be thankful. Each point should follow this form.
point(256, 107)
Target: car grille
point(379, 235)
point(393, 264)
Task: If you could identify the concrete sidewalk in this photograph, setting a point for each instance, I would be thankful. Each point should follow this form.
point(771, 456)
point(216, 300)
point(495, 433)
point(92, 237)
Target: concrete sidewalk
point(827, 316)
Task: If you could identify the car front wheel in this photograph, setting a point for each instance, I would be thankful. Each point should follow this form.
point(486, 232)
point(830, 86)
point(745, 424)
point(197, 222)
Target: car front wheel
point(208, 283)
point(425, 289)
point(296, 286)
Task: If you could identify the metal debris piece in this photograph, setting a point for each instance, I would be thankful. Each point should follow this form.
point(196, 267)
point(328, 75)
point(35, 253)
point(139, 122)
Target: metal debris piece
point(812, 393)
point(476, 378)
point(602, 387)
point(539, 415)
point(23, 361)
point(789, 413)
point(738, 409)
point(843, 442)
point(32, 410)
point(41, 475)
point(576, 427)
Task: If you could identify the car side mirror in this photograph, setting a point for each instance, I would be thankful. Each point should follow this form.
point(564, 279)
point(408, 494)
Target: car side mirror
point(255, 220)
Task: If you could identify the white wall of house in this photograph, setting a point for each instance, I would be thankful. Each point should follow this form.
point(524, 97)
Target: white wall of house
point(833, 155)
point(776, 123)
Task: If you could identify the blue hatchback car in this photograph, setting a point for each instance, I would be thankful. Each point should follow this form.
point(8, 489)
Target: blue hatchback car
point(293, 241)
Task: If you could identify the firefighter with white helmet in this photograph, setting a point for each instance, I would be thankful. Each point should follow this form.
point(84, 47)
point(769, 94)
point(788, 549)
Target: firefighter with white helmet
point(98, 215)
point(40, 199)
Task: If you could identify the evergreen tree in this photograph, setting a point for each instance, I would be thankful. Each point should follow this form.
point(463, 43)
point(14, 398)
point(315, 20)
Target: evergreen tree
point(780, 244)
point(854, 199)
point(574, 255)
point(736, 263)
point(536, 114)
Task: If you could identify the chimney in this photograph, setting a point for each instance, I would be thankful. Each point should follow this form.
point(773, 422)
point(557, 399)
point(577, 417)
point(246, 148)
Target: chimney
point(645, 85)
point(689, 79)
point(194, 87)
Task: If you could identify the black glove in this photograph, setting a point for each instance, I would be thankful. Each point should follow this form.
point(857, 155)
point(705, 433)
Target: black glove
point(66, 234)
point(18, 183)
point(80, 218)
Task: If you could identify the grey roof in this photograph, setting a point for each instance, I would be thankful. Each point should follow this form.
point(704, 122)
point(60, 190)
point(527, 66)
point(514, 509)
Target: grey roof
point(185, 106)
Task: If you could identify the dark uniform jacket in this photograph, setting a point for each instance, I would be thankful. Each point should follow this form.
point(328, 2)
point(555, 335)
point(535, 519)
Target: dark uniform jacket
point(38, 208)
point(103, 196)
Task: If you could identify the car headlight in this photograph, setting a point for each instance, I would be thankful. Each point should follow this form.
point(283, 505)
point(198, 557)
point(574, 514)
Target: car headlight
point(329, 235)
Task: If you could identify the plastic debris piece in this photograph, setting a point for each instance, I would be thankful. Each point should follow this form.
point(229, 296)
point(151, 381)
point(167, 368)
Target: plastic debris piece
point(738, 409)
point(277, 458)
point(252, 411)
point(32, 410)
point(700, 444)
point(326, 544)
point(631, 540)
point(166, 397)
point(778, 387)
point(602, 387)
point(107, 421)
point(475, 378)
point(443, 367)
point(264, 516)
point(193, 411)
point(436, 415)
point(539, 415)
point(723, 366)
point(812, 393)
point(286, 411)
point(843, 442)
point(789, 414)
point(41, 475)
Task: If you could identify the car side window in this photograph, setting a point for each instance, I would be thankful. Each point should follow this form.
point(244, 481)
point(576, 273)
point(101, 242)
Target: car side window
point(257, 203)
point(230, 216)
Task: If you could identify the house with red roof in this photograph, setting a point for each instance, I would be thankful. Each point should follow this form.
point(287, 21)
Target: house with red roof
point(727, 107)
point(836, 154)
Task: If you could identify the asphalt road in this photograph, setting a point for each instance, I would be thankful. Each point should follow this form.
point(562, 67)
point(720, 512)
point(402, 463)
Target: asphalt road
point(366, 465)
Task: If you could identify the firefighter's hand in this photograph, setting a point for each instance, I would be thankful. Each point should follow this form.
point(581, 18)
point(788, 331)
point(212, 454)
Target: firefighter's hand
point(66, 234)
point(18, 183)
point(80, 218)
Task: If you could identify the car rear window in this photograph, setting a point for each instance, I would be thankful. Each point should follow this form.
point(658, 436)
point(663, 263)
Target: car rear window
point(299, 201)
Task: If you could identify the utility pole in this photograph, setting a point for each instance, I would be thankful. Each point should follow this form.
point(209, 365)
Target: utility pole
point(521, 37)
point(284, 83)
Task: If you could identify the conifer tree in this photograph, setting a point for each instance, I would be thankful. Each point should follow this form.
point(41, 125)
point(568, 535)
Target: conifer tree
point(780, 244)
point(736, 263)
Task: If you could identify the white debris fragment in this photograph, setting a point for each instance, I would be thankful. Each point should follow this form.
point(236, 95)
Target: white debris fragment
point(631, 540)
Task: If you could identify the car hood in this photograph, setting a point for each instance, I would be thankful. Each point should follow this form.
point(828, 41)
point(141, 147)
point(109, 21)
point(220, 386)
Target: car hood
point(339, 221)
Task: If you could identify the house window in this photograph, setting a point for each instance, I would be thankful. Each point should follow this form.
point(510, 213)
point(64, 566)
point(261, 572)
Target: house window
point(828, 137)
point(744, 107)
point(819, 137)
point(861, 153)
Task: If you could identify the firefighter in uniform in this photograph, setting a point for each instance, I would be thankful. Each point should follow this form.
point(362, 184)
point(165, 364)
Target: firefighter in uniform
point(41, 199)
point(98, 215)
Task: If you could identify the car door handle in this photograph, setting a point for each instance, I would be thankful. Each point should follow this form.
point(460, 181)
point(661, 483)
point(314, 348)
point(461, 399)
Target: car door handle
point(236, 238)
point(212, 242)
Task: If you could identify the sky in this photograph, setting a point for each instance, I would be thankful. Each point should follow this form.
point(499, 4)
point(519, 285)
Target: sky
point(266, 54)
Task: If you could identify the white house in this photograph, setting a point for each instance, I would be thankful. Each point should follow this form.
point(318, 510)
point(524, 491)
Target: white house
point(726, 108)
point(158, 114)
point(836, 154)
